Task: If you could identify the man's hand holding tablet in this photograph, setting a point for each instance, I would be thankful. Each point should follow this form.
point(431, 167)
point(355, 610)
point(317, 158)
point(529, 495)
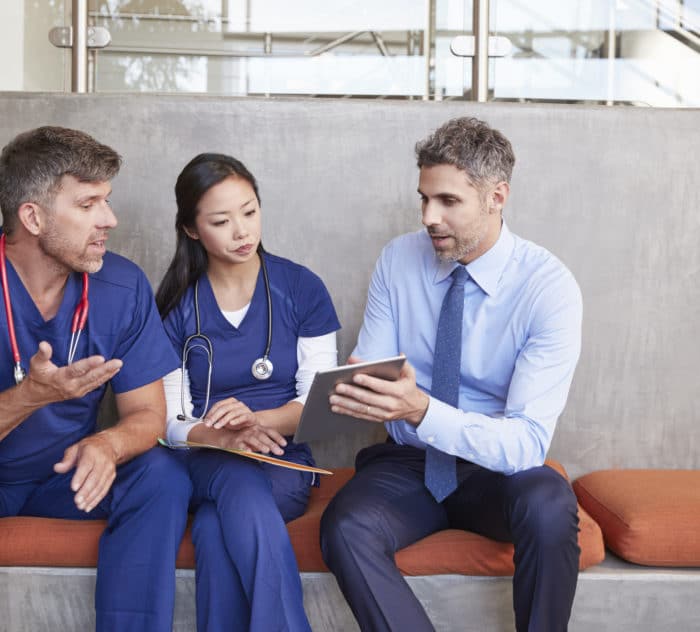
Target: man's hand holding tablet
point(328, 411)
point(374, 398)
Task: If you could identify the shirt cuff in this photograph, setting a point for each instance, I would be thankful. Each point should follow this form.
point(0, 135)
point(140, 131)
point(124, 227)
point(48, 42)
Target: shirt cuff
point(431, 427)
point(179, 430)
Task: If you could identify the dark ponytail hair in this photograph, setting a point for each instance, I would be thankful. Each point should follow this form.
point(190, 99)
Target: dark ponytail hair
point(190, 259)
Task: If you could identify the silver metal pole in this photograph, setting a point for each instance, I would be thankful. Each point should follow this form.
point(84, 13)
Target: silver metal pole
point(480, 61)
point(381, 44)
point(678, 15)
point(428, 36)
point(335, 43)
point(79, 53)
point(91, 70)
point(612, 54)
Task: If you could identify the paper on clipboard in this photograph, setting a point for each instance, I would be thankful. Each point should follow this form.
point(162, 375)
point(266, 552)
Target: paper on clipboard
point(257, 456)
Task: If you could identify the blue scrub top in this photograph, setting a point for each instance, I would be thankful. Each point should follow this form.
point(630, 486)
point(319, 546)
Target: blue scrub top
point(123, 323)
point(301, 307)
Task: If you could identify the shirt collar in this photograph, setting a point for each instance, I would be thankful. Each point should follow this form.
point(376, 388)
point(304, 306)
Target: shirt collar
point(486, 271)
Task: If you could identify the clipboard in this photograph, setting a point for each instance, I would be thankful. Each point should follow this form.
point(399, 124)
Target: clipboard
point(256, 456)
point(318, 421)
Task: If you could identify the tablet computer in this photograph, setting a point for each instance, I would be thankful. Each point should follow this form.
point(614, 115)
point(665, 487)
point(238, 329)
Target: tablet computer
point(317, 421)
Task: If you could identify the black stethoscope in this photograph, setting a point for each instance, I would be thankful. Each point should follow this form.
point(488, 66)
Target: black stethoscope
point(262, 367)
point(77, 326)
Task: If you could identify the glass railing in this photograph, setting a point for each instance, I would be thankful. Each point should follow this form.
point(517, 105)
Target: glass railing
point(29, 61)
point(642, 52)
point(248, 47)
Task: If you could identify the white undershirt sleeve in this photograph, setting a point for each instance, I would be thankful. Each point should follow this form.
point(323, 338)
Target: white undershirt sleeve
point(313, 354)
point(174, 384)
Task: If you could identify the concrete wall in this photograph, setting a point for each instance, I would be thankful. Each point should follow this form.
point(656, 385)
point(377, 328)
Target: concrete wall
point(612, 191)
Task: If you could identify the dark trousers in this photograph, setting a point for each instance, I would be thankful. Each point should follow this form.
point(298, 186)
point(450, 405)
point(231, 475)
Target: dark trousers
point(146, 512)
point(385, 507)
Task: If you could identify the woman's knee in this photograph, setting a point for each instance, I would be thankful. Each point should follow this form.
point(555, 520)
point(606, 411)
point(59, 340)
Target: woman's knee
point(206, 527)
point(222, 477)
point(291, 495)
point(239, 493)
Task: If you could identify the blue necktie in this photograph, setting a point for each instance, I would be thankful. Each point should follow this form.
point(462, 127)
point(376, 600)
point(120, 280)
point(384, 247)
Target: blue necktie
point(440, 467)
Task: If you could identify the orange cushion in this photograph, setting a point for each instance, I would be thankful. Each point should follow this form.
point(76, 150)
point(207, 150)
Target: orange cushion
point(28, 541)
point(648, 517)
point(52, 542)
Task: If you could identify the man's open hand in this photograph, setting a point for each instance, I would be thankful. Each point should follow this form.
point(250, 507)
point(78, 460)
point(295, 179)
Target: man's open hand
point(46, 383)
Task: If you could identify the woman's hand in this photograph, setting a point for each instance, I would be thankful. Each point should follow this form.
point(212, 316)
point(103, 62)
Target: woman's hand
point(230, 412)
point(254, 438)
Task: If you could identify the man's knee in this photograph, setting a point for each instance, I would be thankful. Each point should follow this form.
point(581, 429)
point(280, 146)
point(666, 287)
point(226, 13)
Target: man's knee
point(347, 525)
point(156, 474)
point(332, 527)
point(544, 506)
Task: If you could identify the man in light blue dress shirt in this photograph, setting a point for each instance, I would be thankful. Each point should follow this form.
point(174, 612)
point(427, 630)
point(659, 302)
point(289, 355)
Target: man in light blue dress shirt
point(520, 342)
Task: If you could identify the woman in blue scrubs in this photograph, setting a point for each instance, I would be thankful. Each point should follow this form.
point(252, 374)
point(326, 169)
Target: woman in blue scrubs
point(222, 284)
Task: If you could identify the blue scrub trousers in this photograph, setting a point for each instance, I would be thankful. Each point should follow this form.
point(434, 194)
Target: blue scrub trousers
point(146, 512)
point(386, 506)
point(246, 572)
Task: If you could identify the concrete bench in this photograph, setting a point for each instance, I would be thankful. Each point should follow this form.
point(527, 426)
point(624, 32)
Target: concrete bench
point(56, 551)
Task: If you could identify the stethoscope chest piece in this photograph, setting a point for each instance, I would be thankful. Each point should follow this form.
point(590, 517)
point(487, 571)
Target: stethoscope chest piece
point(262, 368)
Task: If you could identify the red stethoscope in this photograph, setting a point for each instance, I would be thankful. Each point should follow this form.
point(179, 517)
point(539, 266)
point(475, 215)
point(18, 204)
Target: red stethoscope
point(79, 317)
